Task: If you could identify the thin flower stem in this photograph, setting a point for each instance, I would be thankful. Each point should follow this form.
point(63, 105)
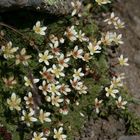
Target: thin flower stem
point(5, 25)
point(113, 65)
point(18, 32)
point(36, 96)
point(2, 38)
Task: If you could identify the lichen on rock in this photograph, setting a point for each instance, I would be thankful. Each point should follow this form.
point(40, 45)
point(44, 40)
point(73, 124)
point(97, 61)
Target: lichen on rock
point(57, 7)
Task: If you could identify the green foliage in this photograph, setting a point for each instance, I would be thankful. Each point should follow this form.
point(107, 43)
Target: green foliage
point(73, 122)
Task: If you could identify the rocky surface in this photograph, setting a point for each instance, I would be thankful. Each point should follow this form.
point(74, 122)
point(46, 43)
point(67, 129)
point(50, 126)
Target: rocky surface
point(129, 138)
point(57, 7)
point(137, 59)
point(103, 129)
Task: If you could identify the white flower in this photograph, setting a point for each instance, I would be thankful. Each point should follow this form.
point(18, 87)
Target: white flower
point(28, 117)
point(30, 83)
point(10, 82)
point(86, 57)
point(54, 89)
point(47, 132)
point(78, 74)
point(111, 37)
point(8, 51)
point(76, 8)
point(94, 48)
point(38, 29)
point(56, 100)
point(111, 91)
point(71, 34)
point(22, 57)
point(97, 105)
point(46, 74)
point(81, 37)
point(65, 89)
point(123, 61)
point(54, 48)
point(107, 38)
point(44, 116)
point(100, 2)
point(63, 111)
point(14, 102)
point(121, 104)
point(121, 76)
point(116, 82)
point(29, 100)
point(77, 53)
point(38, 136)
point(119, 24)
point(45, 57)
point(44, 87)
point(117, 39)
point(57, 71)
point(76, 84)
point(53, 38)
point(82, 89)
point(63, 61)
point(112, 19)
point(58, 134)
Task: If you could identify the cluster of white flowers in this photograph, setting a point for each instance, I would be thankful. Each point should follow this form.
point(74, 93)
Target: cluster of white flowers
point(108, 39)
point(9, 53)
point(58, 78)
point(116, 83)
point(52, 77)
point(115, 21)
point(113, 89)
point(111, 38)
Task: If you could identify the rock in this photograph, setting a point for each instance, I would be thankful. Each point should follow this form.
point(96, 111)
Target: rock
point(137, 58)
point(92, 134)
point(129, 138)
point(76, 138)
point(58, 7)
point(112, 126)
point(82, 135)
point(102, 129)
point(137, 23)
point(84, 139)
